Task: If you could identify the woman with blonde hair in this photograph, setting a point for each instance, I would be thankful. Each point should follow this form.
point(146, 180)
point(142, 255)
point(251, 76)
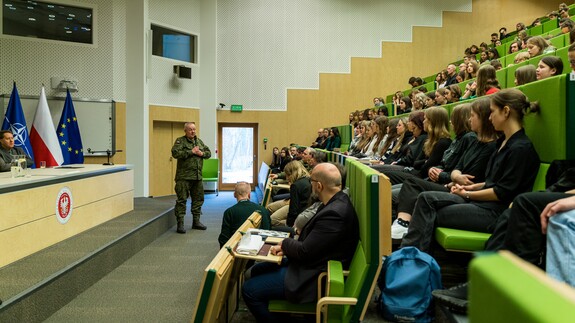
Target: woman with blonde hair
point(285, 212)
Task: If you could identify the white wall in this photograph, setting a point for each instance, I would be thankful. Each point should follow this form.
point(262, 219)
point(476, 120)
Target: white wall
point(266, 47)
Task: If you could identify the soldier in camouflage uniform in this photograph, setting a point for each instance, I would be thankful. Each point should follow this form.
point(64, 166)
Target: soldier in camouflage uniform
point(190, 152)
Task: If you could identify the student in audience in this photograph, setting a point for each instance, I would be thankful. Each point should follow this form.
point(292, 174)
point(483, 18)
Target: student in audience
point(453, 93)
point(404, 105)
point(492, 54)
point(394, 137)
point(451, 75)
point(284, 158)
point(440, 79)
point(485, 84)
point(536, 22)
point(511, 170)
point(483, 47)
point(367, 115)
point(566, 25)
point(462, 66)
point(396, 98)
point(474, 50)
point(520, 27)
point(409, 151)
point(356, 138)
point(380, 128)
point(378, 102)
point(496, 64)
point(370, 148)
point(319, 138)
point(440, 96)
point(553, 15)
point(276, 159)
point(436, 125)
point(502, 32)
point(430, 101)
point(382, 111)
point(419, 101)
point(498, 43)
point(483, 58)
point(465, 165)
point(236, 215)
point(521, 57)
point(332, 234)
point(549, 66)
point(365, 133)
point(461, 76)
point(334, 139)
point(514, 47)
point(525, 74)
point(494, 38)
point(471, 71)
point(284, 212)
point(537, 45)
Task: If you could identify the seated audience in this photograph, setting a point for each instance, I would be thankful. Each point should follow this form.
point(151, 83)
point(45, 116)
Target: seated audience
point(514, 47)
point(334, 140)
point(549, 66)
point(496, 64)
point(408, 152)
point(397, 135)
point(476, 207)
point(440, 96)
point(521, 57)
point(236, 215)
point(451, 75)
point(332, 234)
point(492, 54)
point(404, 105)
point(471, 155)
point(471, 71)
point(285, 211)
point(537, 45)
point(380, 127)
point(319, 138)
point(453, 93)
point(440, 79)
point(418, 101)
point(276, 159)
point(430, 101)
point(485, 84)
point(436, 124)
point(525, 74)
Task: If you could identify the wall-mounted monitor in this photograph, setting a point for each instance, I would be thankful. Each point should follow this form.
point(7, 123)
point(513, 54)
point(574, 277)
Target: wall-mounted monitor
point(48, 20)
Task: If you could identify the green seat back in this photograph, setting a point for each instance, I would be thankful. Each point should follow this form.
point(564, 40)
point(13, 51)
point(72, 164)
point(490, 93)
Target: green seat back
point(548, 129)
point(501, 76)
point(345, 133)
point(503, 288)
point(558, 41)
point(550, 25)
point(211, 170)
point(535, 30)
point(563, 53)
point(539, 184)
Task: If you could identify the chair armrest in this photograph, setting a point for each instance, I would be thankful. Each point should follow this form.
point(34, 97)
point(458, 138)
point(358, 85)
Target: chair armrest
point(335, 278)
point(321, 307)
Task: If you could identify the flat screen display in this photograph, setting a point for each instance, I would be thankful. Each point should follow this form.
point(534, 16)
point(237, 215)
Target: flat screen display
point(47, 20)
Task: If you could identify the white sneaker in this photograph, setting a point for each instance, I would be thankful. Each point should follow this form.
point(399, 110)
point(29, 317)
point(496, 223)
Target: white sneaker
point(399, 228)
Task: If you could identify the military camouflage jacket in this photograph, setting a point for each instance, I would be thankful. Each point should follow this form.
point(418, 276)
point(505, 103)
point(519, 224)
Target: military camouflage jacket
point(189, 164)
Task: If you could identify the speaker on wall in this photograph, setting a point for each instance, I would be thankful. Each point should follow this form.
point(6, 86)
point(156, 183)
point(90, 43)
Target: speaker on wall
point(183, 72)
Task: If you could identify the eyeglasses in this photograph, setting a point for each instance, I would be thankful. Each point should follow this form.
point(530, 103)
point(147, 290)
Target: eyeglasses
point(313, 180)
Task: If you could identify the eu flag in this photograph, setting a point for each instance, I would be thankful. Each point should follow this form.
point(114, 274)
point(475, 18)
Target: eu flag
point(15, 121)
point(69, 134)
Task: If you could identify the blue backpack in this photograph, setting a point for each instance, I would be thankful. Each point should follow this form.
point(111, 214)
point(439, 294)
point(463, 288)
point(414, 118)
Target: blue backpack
point(407, 279)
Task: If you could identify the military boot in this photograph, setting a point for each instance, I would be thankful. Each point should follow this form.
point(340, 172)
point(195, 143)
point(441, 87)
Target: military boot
point(180, 228)
point(197, 225)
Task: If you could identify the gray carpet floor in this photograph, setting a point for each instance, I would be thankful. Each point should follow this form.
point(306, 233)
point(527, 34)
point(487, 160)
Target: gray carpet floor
point(161, 282)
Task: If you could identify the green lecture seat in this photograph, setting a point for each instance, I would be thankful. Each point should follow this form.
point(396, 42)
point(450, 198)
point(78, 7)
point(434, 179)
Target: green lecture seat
point(211, 171)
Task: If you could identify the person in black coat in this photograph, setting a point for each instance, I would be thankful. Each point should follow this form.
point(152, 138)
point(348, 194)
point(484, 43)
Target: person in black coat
point(332, 234)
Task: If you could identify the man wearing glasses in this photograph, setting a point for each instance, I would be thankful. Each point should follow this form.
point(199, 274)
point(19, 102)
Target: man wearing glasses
point(332, 234)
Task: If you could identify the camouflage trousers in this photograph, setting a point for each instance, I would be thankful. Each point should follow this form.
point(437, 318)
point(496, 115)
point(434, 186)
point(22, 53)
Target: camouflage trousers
point(185, 189)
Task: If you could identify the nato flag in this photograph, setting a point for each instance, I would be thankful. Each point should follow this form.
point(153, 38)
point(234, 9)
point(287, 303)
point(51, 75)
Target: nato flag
point(15, 121)
point(69, 134)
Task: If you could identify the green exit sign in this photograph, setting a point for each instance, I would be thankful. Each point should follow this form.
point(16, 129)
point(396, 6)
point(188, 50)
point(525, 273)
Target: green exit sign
point(237, 108)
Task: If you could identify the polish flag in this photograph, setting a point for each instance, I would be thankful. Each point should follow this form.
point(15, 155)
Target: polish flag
point(43, 136)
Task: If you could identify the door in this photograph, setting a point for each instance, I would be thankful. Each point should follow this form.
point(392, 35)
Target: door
point(162, 165)
point(238, 150)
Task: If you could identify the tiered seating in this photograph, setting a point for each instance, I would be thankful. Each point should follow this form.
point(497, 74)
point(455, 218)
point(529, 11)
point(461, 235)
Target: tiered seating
point(348, 298)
